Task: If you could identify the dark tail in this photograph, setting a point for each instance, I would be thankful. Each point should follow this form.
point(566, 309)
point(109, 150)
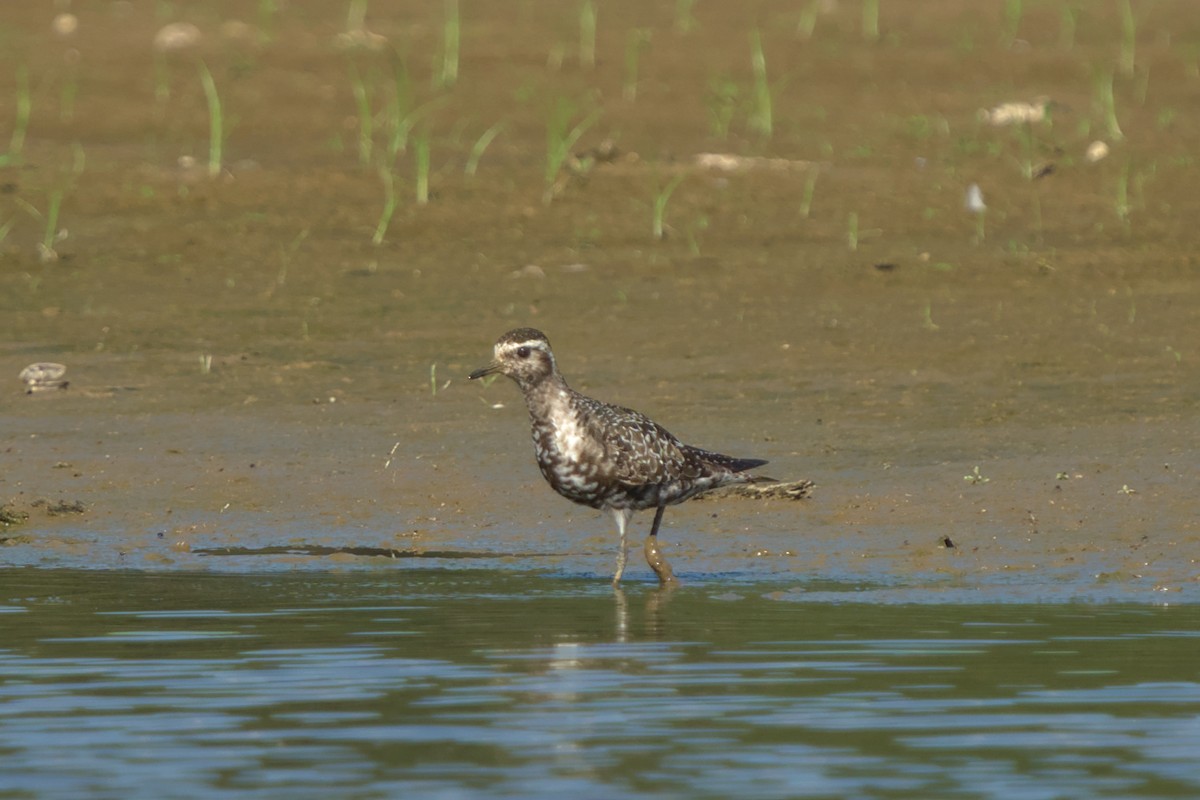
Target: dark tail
point(728, 462)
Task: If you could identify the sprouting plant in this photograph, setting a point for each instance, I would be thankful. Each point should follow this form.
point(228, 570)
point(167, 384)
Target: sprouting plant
point(1108, 105)
point(480, 145)
point(50, 233)
point(587, 35)
point(268, 10)
point(389, 204)
point(660, 205)
point(397, 113)
point(433, 379)
point(1013, 11)
point(421, 155)
point(975, 478)
point(356, 15)
point(870, 20)
point(16, 142)
point(216, 130)
point(693, 231)
point(810, 189)
point(1128, 38)
point(852, 230)
point(760, 116)
point(635, 43)
point(808, 19)
point(927, 317)
point(1025, 138)
point(451, 33)
point(561, 136)
point(1069, 22)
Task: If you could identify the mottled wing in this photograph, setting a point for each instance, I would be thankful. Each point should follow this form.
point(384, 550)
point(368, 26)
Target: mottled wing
point(640, 451)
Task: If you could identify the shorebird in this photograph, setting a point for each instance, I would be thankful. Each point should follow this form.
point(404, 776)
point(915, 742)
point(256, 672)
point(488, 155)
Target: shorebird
point(605, 456)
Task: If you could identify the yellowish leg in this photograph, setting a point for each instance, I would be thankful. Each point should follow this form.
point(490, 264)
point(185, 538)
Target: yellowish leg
point(654, 556)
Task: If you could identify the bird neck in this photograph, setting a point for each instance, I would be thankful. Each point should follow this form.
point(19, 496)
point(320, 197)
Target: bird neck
point(546, 395)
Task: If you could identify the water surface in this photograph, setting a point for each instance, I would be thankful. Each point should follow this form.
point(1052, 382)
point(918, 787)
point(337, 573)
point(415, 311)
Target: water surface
point(456, 683)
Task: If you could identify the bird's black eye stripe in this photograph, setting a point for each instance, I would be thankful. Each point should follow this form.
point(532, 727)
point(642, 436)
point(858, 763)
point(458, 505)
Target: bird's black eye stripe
point(523, 352)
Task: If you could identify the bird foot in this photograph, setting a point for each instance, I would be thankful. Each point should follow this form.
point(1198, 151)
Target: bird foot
point(658, 563)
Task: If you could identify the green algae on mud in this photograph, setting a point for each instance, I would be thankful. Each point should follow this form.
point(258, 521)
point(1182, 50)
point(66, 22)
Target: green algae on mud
point(211, 324)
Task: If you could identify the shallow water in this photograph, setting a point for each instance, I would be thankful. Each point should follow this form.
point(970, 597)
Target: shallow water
point(319, 562)
point(445, 684)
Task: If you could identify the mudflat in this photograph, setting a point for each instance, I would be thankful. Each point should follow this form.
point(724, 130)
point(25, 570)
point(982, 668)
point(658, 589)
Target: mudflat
point(754, 223)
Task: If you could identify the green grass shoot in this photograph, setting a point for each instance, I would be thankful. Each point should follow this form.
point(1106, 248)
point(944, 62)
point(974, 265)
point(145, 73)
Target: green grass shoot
point(421, 155)
point(760, 115)
point(635, 43)
point(50, 235)
point(216, 132)
point(451, 32)
point(852, 230)
point(356, 15)
point(1128, 38)
point(587, 35)
point(808, 20)
point(268, 10)
point(1108, 105)
point(660, 206)
point(1025, 138)
point(481, 144)
point(810, 189)
point(927, 320)
point(693, 231)
point(561, 136)
point(397, 112)
point(870, 20)
point(1067, 26)
point(975, 477)
point(389, 204)
point(1011, 29)
point(16, 142)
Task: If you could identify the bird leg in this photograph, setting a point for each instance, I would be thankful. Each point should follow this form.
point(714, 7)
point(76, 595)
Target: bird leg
point(654, 556)
point(621, 515)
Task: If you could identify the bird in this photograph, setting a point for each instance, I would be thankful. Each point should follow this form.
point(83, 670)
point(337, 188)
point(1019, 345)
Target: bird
point(606, 456)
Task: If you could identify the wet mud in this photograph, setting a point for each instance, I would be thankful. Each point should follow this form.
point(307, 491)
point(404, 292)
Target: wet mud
point(997, 402)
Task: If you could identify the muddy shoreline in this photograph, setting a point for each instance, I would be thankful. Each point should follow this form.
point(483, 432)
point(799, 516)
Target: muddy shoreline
point(250, 372)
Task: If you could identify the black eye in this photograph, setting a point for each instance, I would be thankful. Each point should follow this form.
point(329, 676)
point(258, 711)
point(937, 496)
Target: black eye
point(523, 352)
